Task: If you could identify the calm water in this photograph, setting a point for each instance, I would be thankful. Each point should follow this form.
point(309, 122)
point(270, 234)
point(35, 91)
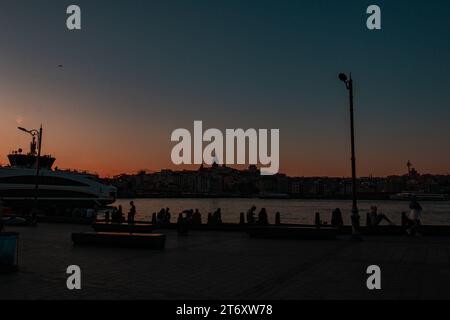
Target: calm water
point(292, 211)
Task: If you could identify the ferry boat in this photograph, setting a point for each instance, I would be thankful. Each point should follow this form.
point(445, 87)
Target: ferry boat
point(55, 188)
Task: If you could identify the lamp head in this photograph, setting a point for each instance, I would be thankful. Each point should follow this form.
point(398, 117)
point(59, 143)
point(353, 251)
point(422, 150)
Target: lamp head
point(343, 77)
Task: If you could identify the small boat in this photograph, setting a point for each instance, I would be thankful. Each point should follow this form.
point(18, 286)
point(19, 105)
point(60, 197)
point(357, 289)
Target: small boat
point(407, 196)
point(14, 221)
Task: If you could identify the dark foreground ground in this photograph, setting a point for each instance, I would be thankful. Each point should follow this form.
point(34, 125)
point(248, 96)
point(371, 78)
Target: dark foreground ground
point(217, 265)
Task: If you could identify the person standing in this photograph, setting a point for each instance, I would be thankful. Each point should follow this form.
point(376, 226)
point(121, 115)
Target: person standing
point(132, 212)
point(415, 214)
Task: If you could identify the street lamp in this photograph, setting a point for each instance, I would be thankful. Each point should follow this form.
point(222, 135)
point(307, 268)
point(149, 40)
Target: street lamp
point(35, 134)
point(355, 213)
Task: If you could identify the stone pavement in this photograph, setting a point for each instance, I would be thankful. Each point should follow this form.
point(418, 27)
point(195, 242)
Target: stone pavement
point(218, 265)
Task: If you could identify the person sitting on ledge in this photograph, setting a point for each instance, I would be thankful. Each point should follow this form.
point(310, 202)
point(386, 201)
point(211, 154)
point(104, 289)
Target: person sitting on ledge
point(262, 217)
point(167, 217)
point(375, 218)
point(317, 220)
point(217, 216)
point(336, 218)
point(197, 217)
point(251, 215)
point(241, 218)
point(413, 219)
point(209, 221)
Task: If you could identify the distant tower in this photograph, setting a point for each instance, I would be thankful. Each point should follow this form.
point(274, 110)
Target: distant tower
point(409, 165)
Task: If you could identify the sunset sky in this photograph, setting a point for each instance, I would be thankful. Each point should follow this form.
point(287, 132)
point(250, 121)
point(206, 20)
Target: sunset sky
point(140, 69)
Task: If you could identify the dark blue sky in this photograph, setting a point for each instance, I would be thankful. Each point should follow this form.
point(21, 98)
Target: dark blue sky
point(140, 69)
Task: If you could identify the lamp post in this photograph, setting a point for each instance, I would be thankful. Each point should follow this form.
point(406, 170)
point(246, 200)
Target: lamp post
point(35, 134)
point(355, 212)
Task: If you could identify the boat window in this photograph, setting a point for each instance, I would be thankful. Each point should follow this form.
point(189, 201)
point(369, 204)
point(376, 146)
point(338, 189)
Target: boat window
point(43, 180)
point(43, 193)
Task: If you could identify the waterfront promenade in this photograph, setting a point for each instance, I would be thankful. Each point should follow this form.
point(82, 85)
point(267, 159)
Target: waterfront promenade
point(218, 265)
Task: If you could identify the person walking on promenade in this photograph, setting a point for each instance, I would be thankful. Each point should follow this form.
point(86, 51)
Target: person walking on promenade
point(375, 218)
point(131, 213)
point(415, 214)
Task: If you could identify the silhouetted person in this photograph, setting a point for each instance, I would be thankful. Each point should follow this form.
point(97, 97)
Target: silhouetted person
point(317, 220)
point(131, 213)
point(262, 217)
point(209, 218)
point(189, 214)
point(154, 218)
point(415, 214)
point(197, 217)
point(160, 216)
point(336, 218)
point(182, 224)
point(251, 215)
point(217, 216)
point(376, 218)
point(241, 218)
point(167, 216)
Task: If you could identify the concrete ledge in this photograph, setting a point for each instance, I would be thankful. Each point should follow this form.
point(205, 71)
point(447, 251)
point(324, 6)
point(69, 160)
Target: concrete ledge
point(123, 227)
point(65, 220)
point(112, 239)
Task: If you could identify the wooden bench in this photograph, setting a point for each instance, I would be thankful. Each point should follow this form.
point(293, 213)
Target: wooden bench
point(293, 233)
point(115, 239)
point(123, 227)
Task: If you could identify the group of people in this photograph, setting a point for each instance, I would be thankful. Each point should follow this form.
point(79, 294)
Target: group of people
point(117, 215)
point(194, 217)
point(411, 221)
point(162, 217)
point(262, 216)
